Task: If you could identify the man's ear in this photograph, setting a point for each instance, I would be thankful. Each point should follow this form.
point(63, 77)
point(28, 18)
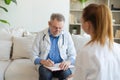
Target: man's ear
point(49, 23)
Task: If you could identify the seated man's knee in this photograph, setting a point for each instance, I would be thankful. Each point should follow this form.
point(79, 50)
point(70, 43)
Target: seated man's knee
point(44, 74)
point(65, 74)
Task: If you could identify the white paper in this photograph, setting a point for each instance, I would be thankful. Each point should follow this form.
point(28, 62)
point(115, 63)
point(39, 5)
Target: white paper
point(56, 67)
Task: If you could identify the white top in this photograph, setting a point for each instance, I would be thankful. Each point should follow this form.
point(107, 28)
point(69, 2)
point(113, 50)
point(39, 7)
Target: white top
point(95, 62)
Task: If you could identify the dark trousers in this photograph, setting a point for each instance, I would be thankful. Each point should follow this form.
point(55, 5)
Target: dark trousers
point(45, 74)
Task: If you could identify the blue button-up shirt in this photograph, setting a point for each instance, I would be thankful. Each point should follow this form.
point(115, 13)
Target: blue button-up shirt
point(54, 53)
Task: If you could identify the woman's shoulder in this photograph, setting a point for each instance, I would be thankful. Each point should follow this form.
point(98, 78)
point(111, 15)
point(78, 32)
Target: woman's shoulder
point(93, 49)
point(88, 50)
point(116, 48)
point(116, 45)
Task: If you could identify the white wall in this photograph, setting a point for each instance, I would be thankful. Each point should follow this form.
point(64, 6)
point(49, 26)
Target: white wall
point(34, 15)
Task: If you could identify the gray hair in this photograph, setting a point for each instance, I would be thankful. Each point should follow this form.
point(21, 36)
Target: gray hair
point(57, 16)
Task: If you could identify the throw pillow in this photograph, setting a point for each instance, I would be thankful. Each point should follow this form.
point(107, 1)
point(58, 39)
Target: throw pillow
point(5, 49)
point(22, 47)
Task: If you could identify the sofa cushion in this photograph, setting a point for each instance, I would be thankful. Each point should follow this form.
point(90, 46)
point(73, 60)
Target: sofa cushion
point(80, 41)
point(17, 31)
point(22, 47)
point(21, 69)
point(5, 49)
point(5, 34)
point(3, 67)
point(30, 34)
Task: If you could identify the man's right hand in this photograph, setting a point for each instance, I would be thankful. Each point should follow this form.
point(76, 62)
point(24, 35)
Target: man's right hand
point(48, 62)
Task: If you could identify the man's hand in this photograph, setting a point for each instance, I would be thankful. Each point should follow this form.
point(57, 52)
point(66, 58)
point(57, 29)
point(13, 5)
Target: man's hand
point(65, 65)
point(48, 62)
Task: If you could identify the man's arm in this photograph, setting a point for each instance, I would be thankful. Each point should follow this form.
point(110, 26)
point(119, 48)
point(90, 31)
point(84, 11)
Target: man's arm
point(36, 50)
point(71, 52)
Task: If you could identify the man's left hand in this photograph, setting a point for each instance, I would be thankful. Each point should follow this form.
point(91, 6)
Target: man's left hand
point(65, 65)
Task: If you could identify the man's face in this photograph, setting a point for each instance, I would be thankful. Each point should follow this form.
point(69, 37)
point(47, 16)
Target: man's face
point(56, 27)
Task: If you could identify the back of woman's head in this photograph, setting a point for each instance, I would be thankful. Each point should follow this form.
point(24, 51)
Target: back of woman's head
point(101, 19)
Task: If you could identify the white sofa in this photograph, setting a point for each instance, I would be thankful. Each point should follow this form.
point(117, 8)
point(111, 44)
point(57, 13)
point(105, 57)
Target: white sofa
point(15, 62)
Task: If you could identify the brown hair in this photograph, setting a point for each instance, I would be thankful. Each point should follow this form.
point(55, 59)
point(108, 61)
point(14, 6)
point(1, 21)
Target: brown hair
point(101, 19)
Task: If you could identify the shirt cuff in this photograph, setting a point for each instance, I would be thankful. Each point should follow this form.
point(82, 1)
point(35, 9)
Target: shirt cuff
point(37, 61)
point(72, 61)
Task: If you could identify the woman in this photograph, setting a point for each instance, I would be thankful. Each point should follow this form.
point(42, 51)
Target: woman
point(100, 57)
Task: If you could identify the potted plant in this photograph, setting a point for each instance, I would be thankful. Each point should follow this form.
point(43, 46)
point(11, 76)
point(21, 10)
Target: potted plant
point(82, 2)
point(7, 2)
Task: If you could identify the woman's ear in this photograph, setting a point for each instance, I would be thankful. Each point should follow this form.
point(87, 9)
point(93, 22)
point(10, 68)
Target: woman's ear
point(88, 26)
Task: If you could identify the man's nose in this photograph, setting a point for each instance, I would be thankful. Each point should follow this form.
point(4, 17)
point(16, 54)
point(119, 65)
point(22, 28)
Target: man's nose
point(57, 29)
